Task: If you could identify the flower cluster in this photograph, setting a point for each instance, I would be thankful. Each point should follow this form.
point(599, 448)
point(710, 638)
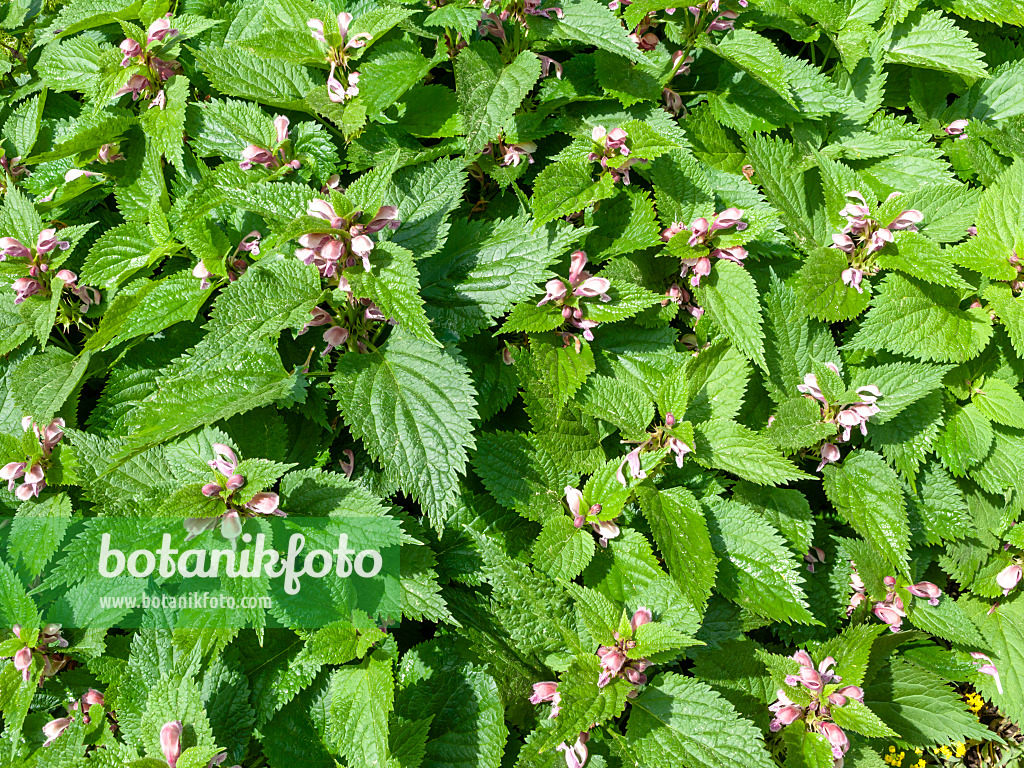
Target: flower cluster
point(353, 327)
point(254, 155)
point(581, 285)
point(615, 660)
point(52, 662)
point(37, 266)
point(87, 295)
point(662, 438)
point(611, 145)
point(338, 56)
point(890, 609)
point(328, 251)
point(512, 154)
point(682, 298)
point(604, 529)
point(817, 713)
point(228, 481)
point(703, 233)
point(32, 471)
point(863, 236)
point(236, 265)
point(53, 729)
point(845, 417)
point(170, 745)
point(133, 53)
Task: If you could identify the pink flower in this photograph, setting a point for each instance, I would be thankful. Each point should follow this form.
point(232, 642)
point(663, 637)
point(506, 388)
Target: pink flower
point(837, 739)
point(574, 498)
point(10, 246)
point(339, 92)
point(324, 210)
point(878, 239)
point(1007, 579)
point(673, 101)
point(265, 504)
point(170, 742)
point(335, 337)
point(679, 448)
point(33, 483)
point(956, 128)
point(165, 70)
point(157, 31)
point(605, 530)
point(226, 462)
point(701, 267)
point(843, 243)
point(594, 287)
point(829, 455)
point(735, 254)
point(543, 692)
point(11, 472)
point(362, 246)
point(699, 229)
point(135, 86)
point(907, 220)
point(814, 555)
point(253, 155)
point(348, 464)
point(730, 217)
point(635, 470)
point(838, 698)
point(927, 590)
point(723, 23)
point(129, 50)
point(23, 662)
point(575, 756)
point(546, 64)
point(810, 387)
point(641, 616)
point(514, 153)
point(47, 241)
point(852, 277)
point(555, 290)
point(889, 614)
point(988, 668)
point(55, 728)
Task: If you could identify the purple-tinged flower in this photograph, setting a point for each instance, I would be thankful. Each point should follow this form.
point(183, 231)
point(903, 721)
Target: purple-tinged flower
point(575, 756)
point(129, 50)
point(135, 86)
point(165, 70)
point(956, 128)
point(320, 317)
point(810, 387)
point(546, 65)
point(25, 287)
point(322, 209)
point(514, 153)
point(250, 243)
point(554, 290)
point(784, 716)
point(843, 243)
point(55, 728)
point(635, 470)
point(532, 7)
point(335, 336)
point(574, 498)
point(1009, 578)
point(159, 101)
point(253, 155)
point(156, 32)
point(853, 277)
point(972, 231)
point(889, 614)
point(362, 246)
point(723, 23)
point(348, 464)
point(814, 555)
point(701, 267)
point(14, 248)
point(988, 668)
point(641, 616)
point(491, 24)
point(829, 455)
point(170, 742)
point(838, 698)
point(23, 662)
point(837, 739)
point(547, 692)
point(211, 489)
point(699, 229)
point(594, 287)
point(735, 254)
point(673, 101)
point(679, 448)
point(907, 220)
point(47, 241)
point(681, 66)
point(878, 239)
point(11, 472)
point(927, 590)
point(77, 173)
point(605, 530)
point(234, 482)
point(265, 504)
point(730, 217)
point(226, 462)
point(340, 92)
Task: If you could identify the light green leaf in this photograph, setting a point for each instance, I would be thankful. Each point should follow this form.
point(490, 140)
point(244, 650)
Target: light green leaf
point(930, 40)
point(393, 285)
point(489, 94)
point(730, 298)
point(726, 445)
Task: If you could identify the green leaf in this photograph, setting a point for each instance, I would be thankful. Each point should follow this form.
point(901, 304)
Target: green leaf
point(965, 440)
point(787, 510)
point(821, 291)
point(562, 368)
point(1010, 310)
point(393, 285)
point(918, 706)
point(757, 56)
point(362, 697)
point(914, 254)
point(730, 298)
point(930, 40)
point(489, 94)
point(681, 534)
point(413, 406)
point(1003, 630)
point(868, 495)
point(566, 187)
point(122, 251)
point(999, 11)
point(946, 620)
point(37, 531)
point(724, 444)
point(562, 550)
point(42, 383)
point(237, 72)
point(1000, 402)
point(923, 321)
point(678, 721)
point(591, 23)
point(901, 384)
point(486, 267)
point(757, 571)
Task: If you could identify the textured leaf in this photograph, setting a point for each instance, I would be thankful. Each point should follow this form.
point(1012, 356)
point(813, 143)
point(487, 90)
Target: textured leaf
point(489, 94)
point(413, 406)
point(726, 445)
point(729, 297)
point(930, 40)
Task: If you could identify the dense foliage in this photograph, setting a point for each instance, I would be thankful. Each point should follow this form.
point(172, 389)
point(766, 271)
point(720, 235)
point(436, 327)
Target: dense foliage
point(684, 344)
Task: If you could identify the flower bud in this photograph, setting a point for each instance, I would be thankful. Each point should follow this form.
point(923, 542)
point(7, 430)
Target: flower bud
point(235, 482)
point(642, 616)
point(170, 742)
